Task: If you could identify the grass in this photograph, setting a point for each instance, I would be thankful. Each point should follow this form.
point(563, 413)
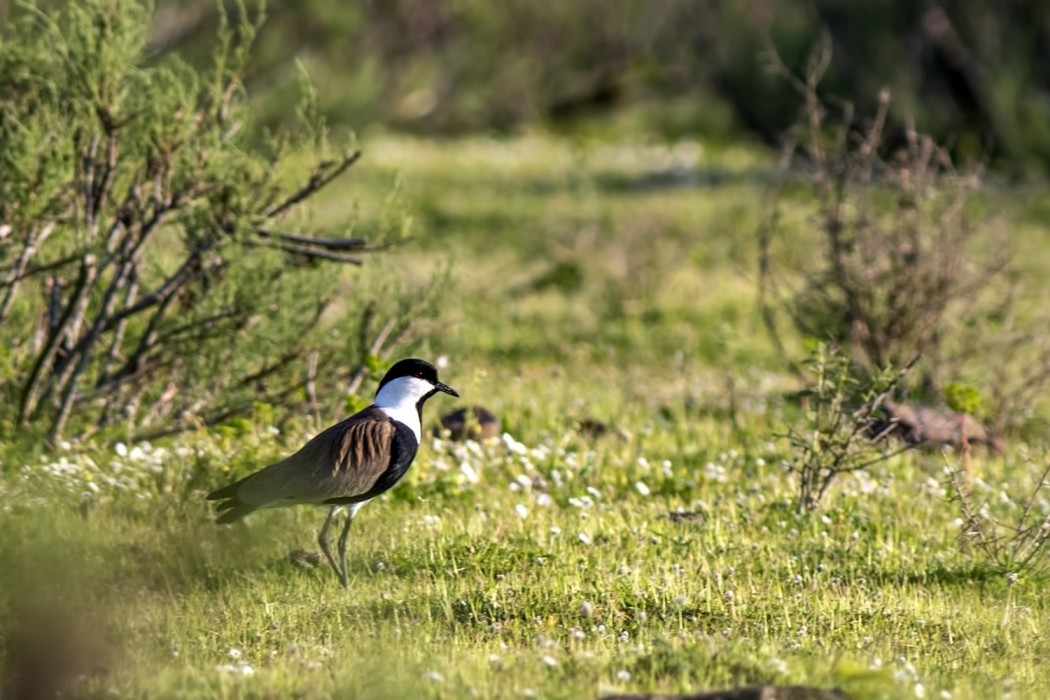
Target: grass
point(586, 280)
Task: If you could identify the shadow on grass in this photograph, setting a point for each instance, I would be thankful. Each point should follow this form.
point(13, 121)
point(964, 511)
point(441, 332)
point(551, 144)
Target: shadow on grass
point(940, 576)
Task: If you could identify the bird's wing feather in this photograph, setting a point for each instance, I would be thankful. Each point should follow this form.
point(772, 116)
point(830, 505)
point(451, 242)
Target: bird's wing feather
point(344, 461)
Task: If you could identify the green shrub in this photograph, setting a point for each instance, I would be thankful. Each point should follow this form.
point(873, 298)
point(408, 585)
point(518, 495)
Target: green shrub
point(155, 272)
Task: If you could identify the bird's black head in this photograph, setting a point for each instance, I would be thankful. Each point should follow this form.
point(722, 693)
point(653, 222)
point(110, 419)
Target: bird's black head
point(417, 369)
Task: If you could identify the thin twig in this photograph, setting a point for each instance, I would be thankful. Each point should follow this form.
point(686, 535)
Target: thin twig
point(324, 174)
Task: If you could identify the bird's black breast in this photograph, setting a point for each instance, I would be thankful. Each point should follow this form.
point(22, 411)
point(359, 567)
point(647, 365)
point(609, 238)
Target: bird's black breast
point(403, 448)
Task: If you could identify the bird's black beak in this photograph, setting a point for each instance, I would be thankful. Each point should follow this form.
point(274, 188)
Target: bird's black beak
point(447, 389)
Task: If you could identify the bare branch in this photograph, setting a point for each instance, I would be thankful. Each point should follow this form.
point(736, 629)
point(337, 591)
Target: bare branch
point(325, 173)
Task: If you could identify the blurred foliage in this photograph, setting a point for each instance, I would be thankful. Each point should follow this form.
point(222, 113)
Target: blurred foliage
point(970, 73)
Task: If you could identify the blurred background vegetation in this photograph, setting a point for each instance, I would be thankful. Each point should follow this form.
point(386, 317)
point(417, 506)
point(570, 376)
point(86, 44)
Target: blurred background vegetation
point(971, 73)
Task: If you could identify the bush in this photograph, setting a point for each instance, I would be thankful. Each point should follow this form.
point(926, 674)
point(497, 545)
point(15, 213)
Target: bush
point(906, 260)
point(842, 427)
point(895, 229)
point(155, 276)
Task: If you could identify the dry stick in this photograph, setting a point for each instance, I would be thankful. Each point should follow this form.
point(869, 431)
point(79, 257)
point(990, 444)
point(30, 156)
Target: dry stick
point(217, 417)
point(161, 294)
point(311, 386)
point(89, 184)
point(329, 243)
point(266, 371)
point(321, 177)
point(67, 370)
point(313, 253)
point(162, 405)
point(68, 373)
point(74, 309)
point(135, 364)
point(34, 270)
point(375, 349)
point(207, 327)
point(32, 244)
point(974, 527)
point(114, 350)
point(121, 328)
point(966, 449)
point(1033, 539)
point(106, 181)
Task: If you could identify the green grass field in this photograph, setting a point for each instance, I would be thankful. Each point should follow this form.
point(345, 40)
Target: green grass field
point(584, 281)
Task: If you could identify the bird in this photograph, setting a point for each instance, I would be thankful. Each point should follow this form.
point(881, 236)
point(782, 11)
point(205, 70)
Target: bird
point(348, 464)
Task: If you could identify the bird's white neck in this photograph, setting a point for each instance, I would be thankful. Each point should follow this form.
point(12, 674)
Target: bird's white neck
point(399, 399)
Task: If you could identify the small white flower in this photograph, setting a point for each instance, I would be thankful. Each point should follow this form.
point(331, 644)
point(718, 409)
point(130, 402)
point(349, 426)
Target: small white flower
point(642, 488)
point(513, 445)
point(623, 675)
point(470, 475)
point(584, 538)
point(234, 653)
point(522, 511)
point(920, 691)
point(544, 500)
point(586, 608)
point(549, 661)
point(121, 449)
point(433, 677)
point(555, 530)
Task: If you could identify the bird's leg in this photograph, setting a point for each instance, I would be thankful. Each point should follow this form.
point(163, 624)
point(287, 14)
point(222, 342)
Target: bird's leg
point(322, 540)
point(342, 543)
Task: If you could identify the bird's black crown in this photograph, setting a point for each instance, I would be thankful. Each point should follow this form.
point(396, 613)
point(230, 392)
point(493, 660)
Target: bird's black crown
point(421, 369)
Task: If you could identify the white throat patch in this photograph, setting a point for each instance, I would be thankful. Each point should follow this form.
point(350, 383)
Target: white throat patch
point(398, 399)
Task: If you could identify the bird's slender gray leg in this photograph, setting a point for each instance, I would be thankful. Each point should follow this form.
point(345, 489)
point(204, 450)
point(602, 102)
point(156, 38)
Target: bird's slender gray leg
point(322, 540)
point(342, 544)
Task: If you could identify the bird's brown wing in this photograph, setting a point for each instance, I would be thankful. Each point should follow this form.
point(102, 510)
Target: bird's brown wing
point(344, 461)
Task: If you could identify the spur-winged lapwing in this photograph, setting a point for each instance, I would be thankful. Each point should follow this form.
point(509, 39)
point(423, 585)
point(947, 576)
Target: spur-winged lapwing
point(348, 464)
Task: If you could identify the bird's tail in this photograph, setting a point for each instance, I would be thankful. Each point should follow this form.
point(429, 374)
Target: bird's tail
point(232, 507)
